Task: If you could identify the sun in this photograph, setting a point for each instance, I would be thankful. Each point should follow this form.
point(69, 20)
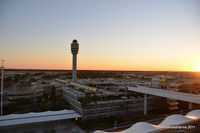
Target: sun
point(198, 68)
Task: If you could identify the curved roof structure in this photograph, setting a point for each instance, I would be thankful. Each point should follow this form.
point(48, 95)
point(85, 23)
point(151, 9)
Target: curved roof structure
point(144, 127)
point(99, 131)
point(174, 120)
point(141, 127)
point(194, 113)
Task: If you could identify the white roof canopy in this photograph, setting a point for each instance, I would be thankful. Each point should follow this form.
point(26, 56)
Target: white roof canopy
point(143, 127)
point(15, 119)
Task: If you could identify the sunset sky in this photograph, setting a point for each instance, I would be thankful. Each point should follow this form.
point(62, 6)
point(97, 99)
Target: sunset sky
point(112, 34)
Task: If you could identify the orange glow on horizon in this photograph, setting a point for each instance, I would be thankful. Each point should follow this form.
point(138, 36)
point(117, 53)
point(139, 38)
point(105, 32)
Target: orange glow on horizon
point(100, 63)
point(64, 66)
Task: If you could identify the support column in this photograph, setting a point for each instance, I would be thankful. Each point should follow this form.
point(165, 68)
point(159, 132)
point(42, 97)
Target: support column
point(190, 106)
point(145, 104)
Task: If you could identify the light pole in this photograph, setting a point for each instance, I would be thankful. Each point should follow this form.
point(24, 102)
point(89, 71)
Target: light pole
point(2, 87)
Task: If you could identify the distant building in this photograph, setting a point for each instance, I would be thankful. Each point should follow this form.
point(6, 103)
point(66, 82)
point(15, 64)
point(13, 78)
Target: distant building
point(167, 83)
point(162, 82)
point(27, 93)
point(105, 100)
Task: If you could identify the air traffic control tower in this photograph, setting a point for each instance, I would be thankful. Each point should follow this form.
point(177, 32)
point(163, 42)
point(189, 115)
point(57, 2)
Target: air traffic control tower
point(74, 50)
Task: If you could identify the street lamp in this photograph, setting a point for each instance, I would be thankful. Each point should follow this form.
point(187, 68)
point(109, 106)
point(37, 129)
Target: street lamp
point(2, 87)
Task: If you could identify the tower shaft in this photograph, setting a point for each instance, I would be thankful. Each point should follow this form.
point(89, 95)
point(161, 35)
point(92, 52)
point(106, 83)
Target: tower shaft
point(74, 65)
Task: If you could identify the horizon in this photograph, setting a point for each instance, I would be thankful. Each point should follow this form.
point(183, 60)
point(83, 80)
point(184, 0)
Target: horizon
point(113, 35)
point(24, 69)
